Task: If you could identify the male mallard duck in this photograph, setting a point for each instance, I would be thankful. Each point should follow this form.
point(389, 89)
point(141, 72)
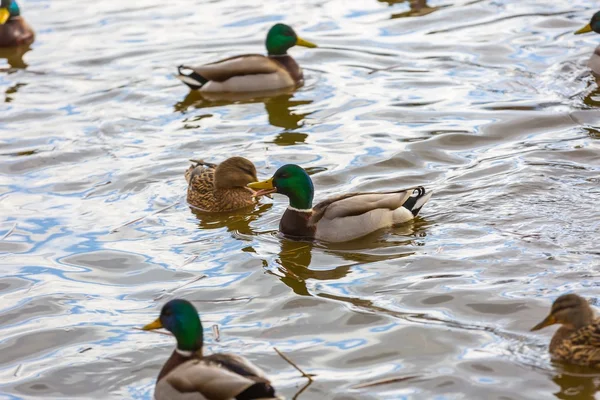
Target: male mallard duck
point(577, 341)
point(341, 218)
point(594, 25)
point(14, 31)
point(188, 374)
point(251, 72)
point(221, 188)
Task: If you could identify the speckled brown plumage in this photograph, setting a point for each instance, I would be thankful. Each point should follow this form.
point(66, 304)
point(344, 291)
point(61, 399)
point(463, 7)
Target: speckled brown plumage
point(16, 32)
point(577, 341)
point(221, 188)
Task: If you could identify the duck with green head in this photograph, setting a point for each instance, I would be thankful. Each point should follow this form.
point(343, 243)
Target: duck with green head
point(577, 341)
point(251, 72)
point(593, 26)
point(189, 374)
point(341, 218)
point(14, 31)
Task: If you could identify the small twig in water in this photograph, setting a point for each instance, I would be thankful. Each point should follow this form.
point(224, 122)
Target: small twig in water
point(384, 381)
point(144, 217)
point(293, 364)
point(18, 370)
point(223, 300)
point(10, 231)
point(179, 287)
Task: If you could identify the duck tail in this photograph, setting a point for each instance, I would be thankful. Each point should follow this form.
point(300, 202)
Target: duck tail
point(193, 79)
point(418, 199)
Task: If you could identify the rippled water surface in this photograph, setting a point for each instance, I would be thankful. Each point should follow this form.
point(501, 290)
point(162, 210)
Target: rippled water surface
point(489, 103)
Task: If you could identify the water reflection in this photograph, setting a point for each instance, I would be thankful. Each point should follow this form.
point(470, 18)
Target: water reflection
point(14, 56)
point(577, 383)
point(278, 104)
point(235, 222)
point(417, 8)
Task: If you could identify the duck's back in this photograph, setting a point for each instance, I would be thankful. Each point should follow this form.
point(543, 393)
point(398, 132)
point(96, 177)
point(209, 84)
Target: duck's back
point(582, 347)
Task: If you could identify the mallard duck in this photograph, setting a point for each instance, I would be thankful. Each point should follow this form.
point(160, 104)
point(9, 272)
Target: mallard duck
point(341, 218)
point(221, 188)
point(594, 25)
point(14, 31)
point(577, 341)
point(189, 374)
point(251, 72)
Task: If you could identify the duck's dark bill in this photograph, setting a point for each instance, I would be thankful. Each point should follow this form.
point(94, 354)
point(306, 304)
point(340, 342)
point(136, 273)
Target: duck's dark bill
point(550, 320)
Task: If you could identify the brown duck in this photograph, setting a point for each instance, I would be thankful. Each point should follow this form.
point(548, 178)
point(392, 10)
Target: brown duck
point(189, 374)
point(221, 188)
point(14, 31)
point(577, 341)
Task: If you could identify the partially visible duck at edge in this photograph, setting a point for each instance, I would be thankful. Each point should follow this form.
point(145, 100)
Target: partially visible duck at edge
point(341, 218)
point(221, 188)
point(593, 26)
point(251, 72)
point(14, 30)
point(577, 341)
point(189, 374)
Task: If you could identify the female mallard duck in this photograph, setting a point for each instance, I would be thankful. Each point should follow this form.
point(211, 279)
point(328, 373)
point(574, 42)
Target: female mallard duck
point(594, 25)
point(577, 341)
point(221, 188)
point(251, 72)
point(189, 374)
point(14, 31)
point(341, 218)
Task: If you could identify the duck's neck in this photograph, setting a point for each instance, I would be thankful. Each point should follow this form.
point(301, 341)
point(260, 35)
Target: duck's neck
point(294, 223)
point(177, 358)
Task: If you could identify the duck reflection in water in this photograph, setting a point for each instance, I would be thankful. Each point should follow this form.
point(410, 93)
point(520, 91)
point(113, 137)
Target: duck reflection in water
point(278, 104)
point(417, 8)
point(14, 57)
point(301, 261)
point(236, 222)
point(577, 383)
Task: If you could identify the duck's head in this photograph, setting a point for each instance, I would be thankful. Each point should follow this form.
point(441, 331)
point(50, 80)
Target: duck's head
point(282, 37)
point(594, 25)
point(292, 181)
point(8, 9)
point(569, 310)
point(181, 319)
point(235, 172)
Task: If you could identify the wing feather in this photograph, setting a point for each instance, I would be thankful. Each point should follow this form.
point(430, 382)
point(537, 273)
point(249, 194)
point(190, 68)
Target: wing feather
point(250, 64)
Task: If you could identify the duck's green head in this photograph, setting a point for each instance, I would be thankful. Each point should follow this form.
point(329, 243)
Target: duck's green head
point(594, 25)
point(282, 37)
point(8, 9)
point(181, 319)
point(291, 181)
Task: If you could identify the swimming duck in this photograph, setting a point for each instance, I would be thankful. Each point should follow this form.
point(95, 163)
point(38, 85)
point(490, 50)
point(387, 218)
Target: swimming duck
point(221, 188)
point(594, 25)
point(189, 374)
point(14, 31)
point(577, 341)
point(251, 72)
point(340, 218)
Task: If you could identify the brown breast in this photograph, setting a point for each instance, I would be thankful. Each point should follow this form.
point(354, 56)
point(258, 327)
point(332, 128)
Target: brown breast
point(291, 66)
point(16, 32)
point(294, 223)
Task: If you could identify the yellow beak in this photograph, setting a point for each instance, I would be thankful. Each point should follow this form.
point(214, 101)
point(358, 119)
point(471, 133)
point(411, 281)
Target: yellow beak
point(305, 43)
point(268, 184)
point(550, 320)
point(4, 15)
point(154, 325)
point(585, 29)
